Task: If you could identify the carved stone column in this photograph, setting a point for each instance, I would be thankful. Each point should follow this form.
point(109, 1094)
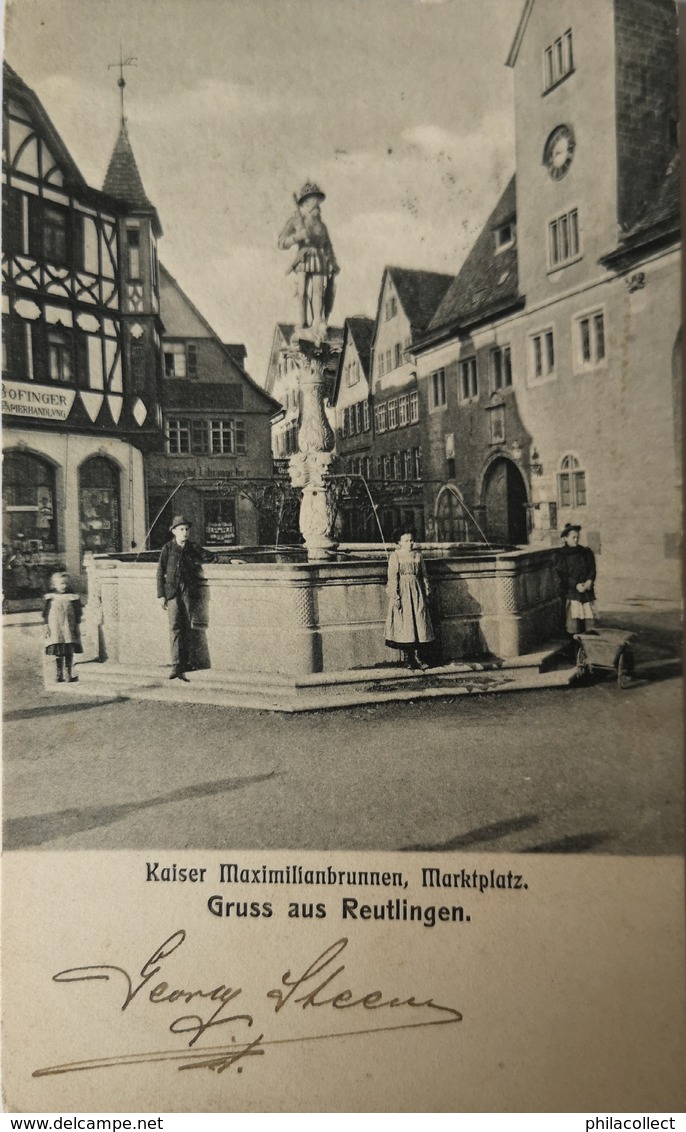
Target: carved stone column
point(309, 467)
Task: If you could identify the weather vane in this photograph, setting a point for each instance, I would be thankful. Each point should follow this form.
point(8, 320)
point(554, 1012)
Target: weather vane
point(130, 61)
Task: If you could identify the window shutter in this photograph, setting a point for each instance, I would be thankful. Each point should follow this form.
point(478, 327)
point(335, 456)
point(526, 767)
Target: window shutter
point(12, 222)
point(35, 226)
point(77, 252)
point(82, 374)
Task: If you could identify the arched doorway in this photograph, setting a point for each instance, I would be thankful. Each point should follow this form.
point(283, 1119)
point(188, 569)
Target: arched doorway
point(99, 506)
point(505, 501)
point(451, 517)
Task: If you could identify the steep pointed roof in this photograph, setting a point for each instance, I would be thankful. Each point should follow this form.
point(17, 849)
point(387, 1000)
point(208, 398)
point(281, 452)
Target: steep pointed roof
point(488, 281)
point(419, 292)
point(362, 334)
point(14, 87)
point(123, 179)
point(360, 331)
point(183, 319)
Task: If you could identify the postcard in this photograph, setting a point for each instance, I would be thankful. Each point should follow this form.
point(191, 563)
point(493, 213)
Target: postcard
point(342, 492)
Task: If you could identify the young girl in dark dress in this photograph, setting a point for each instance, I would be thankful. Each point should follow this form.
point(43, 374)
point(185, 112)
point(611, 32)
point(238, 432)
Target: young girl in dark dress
point(62, 615)
point(574, 566)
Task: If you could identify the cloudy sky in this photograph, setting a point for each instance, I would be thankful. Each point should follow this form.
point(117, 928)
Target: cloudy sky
point(400, 109)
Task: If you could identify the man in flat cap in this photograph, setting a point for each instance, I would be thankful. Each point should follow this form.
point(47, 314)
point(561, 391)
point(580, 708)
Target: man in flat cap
point(314, 265)
point(179, 573)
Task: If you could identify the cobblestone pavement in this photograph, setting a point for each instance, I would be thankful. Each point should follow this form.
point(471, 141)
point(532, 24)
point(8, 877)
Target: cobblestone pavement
point(588, 769)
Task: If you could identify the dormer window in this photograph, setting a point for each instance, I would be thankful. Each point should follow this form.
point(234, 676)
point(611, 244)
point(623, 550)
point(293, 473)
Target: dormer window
point(505, 236)
point(175, 359)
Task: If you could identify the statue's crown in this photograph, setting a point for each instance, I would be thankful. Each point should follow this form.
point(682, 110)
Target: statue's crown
point(309, 189)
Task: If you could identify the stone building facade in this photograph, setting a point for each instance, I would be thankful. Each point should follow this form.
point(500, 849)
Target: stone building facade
point(559, 340)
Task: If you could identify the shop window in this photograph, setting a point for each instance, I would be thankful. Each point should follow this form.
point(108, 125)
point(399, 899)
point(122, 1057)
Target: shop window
point(29, 545)
point(220, 520)
point(99, 506)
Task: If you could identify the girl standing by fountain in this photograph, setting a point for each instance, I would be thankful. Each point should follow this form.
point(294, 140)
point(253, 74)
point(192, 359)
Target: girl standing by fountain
point(408, 624)
point(62, 615)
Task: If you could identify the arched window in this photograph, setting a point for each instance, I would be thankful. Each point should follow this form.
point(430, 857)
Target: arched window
point(29, 524)
point(99, 506)
point(28, 498)
point(571, 483)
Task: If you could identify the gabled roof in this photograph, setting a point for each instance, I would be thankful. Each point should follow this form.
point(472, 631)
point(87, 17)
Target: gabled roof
point(519, 34)
point(238, 352)
point(488, 281)
point(283, 332)
point(167, 279)
point(419, 292)
point(15, 88)
point(123, 180)
point(361, 331)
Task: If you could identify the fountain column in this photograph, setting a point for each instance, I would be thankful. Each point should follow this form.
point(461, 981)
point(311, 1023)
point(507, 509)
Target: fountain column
point(309, 467)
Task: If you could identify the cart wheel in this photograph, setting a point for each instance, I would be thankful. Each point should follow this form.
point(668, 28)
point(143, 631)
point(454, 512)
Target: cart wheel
point(583, 668)
point(625, 668)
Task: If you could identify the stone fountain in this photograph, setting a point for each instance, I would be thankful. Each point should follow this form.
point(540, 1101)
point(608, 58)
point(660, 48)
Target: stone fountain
point(304, 634)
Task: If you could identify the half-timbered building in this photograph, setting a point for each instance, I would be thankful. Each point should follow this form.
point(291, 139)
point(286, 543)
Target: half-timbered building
point(79, 402)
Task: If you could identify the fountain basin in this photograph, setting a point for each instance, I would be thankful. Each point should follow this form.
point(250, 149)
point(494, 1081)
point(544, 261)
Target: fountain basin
point(293, 619)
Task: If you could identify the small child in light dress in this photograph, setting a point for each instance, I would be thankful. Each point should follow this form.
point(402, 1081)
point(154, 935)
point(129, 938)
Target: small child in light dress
point(62, 615)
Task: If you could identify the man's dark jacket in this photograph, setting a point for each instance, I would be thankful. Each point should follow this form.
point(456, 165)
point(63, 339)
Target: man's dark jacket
point(179, 569)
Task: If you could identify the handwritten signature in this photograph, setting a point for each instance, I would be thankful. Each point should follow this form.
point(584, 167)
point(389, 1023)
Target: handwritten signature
point(312, 989)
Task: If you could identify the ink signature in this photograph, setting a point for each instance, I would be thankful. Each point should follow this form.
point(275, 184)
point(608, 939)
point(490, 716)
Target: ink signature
point(320, 987)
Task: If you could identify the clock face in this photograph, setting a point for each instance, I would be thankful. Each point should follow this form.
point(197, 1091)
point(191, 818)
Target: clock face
point(559, 151)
